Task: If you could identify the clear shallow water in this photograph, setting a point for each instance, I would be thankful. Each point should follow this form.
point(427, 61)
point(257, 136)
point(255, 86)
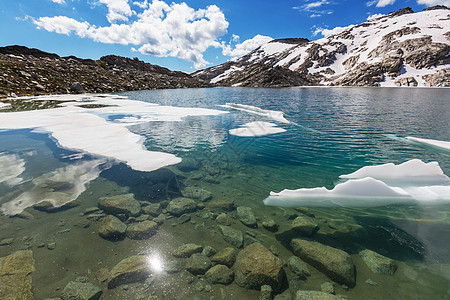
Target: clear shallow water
point(352, 125)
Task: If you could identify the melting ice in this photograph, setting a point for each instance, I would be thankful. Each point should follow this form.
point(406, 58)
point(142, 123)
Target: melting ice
point(254, 129)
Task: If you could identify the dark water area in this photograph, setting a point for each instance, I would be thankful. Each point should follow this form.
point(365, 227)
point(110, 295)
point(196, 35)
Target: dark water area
point(332, 131)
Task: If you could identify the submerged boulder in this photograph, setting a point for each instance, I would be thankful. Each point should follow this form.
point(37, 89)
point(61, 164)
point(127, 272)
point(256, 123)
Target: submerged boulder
point(120, 204)
point(141, 230)
point(81, 291)
point(378, 263)
point(197, 194)
point(187, 250)
point(112, 228)
point(220, 274)
point(232, 236)
point(179, 206)
point(246, 216)
point(15, 275)
point(335, 263)
point(129, 270)
point(256, 266)
point(304, 225)
point(198, 264)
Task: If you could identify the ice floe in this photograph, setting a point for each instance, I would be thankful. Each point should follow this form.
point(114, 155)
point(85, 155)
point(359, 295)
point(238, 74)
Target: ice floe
point(413, 182)
point(255, 129)
point(271, 114)
point(93, 130)
point(11, 167)
point(58, 187)
point(434, 143)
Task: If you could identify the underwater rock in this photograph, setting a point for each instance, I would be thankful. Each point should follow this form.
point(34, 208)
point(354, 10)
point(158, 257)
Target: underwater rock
point(173, 266)
point(327, 287)
point(223, 219)
point(198, 264)
point(335, 263)
point(256, 266)
point(92, 210)
point(141, 230)
point(209, 251)
point(187, 250)
point(378, 263)
point(81, 291)
point(23, 215)
point(189, 164)
point(246, 216)
point(266, 292)
point(315, 295)
point(129, 270)
point(232, 236)
point(197, 194)
point(226, 256)
point(6, 242)
point(298, 267)
point(48, 207)
point(120, 204)
point(270, 225)
point(221, 205)
point(112, 228)
point(15, 275)
point(183, 219)
point(220, 274)
point(179, 206)
point(304, 225)
point(153, 209)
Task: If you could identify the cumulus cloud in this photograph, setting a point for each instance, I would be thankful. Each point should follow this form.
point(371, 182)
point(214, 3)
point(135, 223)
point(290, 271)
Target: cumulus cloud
point(59, 1)
point(434, 2)
point(246, 46)
point(327, 32)
point(315, 8)
point(174, 30)
point(380, 3)
point(373, 17)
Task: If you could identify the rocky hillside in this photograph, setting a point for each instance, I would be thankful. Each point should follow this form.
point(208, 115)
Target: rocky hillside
point(25, 71)
point(402, 48)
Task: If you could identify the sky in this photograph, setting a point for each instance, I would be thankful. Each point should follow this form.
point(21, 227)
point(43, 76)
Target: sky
point(184, 36)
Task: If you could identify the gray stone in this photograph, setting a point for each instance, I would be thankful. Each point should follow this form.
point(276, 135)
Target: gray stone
point(209, 251)
point(141, 230)
point(112, 228)
point(197, 194)
point(153, 209)
point(256, 266)
point(220, 274)
point(378, 263)
point(183, 219)
point(246, 216)
point(120, 204)
point(266, 292)
point(198, 264)
point(315, 295)
point(335, 263)
point(223, 219)
point(81, 291)
point(221, 205)
point(173, 266)
point(327, 287)
point(129, 270)
point(298, 267)
point(179, 206)
point(187, 250)
point(76, 88)
point(232, 236)
point(270, 225)
point(15, 275)
point(226, 256)
point(304, 225)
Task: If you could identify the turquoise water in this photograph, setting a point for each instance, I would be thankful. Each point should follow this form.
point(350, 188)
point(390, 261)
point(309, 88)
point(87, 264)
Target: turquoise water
point(339, 131)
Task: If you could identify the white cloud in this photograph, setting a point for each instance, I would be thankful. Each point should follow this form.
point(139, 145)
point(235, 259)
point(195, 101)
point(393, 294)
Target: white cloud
point(313, 8)
point(315, 4)
point(175, 30)
point(59, 1)
point(380, 3)
point(246, 46)
point(373, 17)
point(434, 2)
point(327, 32)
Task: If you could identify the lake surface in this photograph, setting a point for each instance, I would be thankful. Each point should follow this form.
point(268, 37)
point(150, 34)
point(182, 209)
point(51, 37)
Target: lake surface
point(331, 132)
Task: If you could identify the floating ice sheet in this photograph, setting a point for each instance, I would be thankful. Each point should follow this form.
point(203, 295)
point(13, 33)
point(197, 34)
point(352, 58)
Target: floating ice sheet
point(420, 184)
point(272, 114)
point(255, 129)
point(90, 130)
point(435, 143)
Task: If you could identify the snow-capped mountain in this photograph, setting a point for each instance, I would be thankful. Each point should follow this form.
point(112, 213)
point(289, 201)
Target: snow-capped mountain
point(402, 48)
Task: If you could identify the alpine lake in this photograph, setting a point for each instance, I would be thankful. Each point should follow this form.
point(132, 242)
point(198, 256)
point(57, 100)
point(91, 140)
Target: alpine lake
point(213, 202)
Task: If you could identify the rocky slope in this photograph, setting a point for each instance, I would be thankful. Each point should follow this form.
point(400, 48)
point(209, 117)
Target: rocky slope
point(25, 71)
point(402, 48)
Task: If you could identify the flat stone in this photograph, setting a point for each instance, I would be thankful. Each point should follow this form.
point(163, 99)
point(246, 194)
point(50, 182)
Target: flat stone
point(187, 250)
point(129, 270)
point(141, 230)
point(270, 225)
point(179, 206)
point(24, 215)
point(197, 194)
point(198, 264)
point(120, 204)
point(226, 256)
point(256, 266)
point(48, 207)
point(15, 275)
point(246, 216)
point(153, 209)
point(304, 225)
point(223, 219)
point(298, 267)
point(111, 228)
point(335, 263)
point(315, 295)
point(220, 274)
point(183, 219)
point(232, 236)
point(221, 205)
point(81, 291)
point(378, 263)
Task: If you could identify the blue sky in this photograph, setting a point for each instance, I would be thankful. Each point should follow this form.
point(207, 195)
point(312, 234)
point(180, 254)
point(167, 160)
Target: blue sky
point(178, 35)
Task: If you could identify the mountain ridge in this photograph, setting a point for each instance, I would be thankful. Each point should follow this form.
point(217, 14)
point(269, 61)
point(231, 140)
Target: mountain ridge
point(402, 48)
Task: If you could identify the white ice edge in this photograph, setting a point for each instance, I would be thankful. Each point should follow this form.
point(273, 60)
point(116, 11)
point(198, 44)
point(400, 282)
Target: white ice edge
point(367, 191)
point(435, 143)
point(272, 114)
point(255, 129)
point(88, 130)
